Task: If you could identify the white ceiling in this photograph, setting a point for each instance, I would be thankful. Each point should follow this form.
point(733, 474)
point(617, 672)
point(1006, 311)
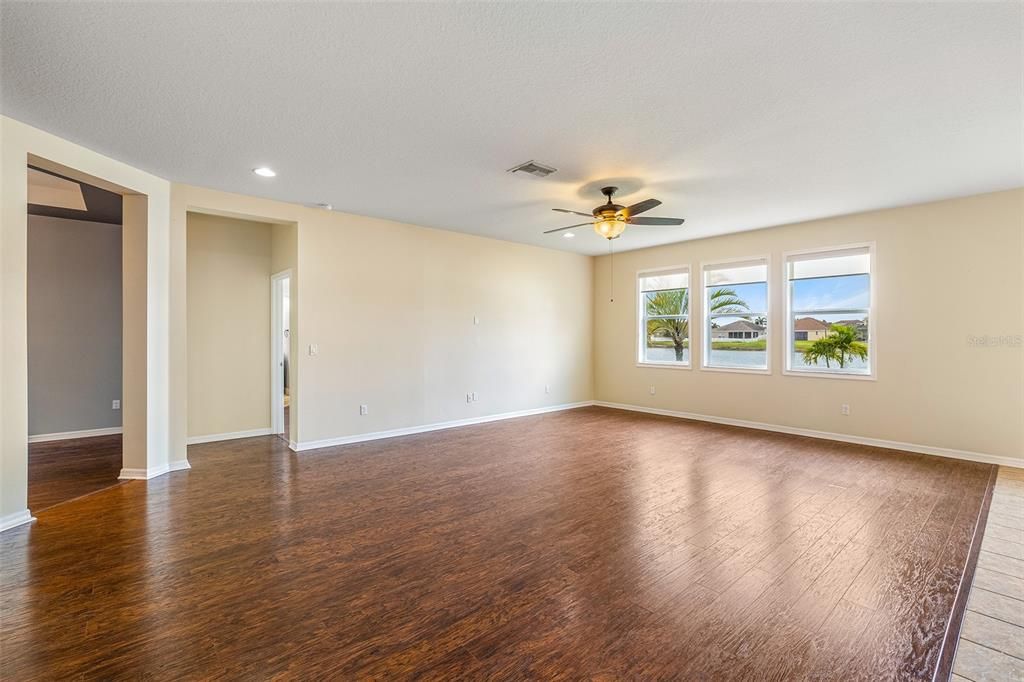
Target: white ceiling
point(736, 115)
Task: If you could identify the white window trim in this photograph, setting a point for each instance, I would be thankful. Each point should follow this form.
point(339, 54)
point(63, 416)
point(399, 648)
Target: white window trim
point(639, 318)
point(705, 316)
point(873, 316)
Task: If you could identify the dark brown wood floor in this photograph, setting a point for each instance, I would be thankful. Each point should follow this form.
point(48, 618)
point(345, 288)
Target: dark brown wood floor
point(590, 543)
point(62, 470)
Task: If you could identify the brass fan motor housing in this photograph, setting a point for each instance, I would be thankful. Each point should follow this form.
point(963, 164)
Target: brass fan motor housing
point(608, 210)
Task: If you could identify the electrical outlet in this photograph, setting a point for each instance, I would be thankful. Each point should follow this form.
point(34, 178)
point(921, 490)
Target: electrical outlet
point(652, 390)
point(469, 397)
point(314, 349)
point(364, 410)
point(844, 410)
point(547, 388)
point(115, 405)
point(476, 319)
point(474, 396)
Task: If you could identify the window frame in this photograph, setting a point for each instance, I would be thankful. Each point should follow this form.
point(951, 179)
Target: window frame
point(706, 341)
point(640, 313)
point(787, 369)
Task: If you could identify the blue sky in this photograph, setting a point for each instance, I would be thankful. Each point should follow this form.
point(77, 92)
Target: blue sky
point(756, 295)
point(848, 291)
point(823, 293)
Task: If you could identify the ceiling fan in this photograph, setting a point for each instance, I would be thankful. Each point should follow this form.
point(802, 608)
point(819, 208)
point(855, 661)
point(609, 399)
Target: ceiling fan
point(610, 219)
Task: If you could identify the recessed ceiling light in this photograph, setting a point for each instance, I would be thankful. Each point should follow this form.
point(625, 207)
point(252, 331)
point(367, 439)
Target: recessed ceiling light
point(568, 235)
point(264, 172)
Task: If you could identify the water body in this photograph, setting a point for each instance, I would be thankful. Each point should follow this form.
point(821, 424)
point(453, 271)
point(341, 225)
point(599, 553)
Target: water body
point(749, 359)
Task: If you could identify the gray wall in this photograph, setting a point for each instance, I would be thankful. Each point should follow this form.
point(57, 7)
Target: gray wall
point(74, 325)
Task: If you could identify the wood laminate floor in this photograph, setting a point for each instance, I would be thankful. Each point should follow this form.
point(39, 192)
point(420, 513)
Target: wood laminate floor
point(62, 470)
point(591, 543)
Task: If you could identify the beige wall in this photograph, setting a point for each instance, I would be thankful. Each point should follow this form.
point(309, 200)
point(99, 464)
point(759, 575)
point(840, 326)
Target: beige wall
point(944, 271)
point(229, 267)
point(137, 450)
point(74, 325)
point(146, 399)
point(391, 308)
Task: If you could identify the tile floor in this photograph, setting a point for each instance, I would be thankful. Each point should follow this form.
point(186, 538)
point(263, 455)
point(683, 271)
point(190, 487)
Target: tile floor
point(992, 638)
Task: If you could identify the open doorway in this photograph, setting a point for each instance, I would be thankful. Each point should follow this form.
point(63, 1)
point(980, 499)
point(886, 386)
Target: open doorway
point(280, 361)
point(74, 338)
point(238, 373)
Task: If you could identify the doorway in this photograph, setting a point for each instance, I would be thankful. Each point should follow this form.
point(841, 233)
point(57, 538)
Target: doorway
point(280, 360)
point(74, 338)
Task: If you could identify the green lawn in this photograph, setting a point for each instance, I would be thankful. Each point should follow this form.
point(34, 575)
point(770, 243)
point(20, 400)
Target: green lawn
point(760, 344)
point(717, 345)
point(665, 343)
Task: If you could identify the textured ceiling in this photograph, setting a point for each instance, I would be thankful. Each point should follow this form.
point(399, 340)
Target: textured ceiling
point(735, 115)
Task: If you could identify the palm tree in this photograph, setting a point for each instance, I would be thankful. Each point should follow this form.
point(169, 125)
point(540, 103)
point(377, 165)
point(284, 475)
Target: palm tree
point(761, 321)
point(677, 302)
point(841, 345)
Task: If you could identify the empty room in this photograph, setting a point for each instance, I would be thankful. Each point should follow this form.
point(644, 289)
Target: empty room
point(512, 340)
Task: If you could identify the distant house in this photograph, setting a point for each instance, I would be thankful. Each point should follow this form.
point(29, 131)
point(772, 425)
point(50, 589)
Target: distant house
point(741, 330)
point(809, 329)
point(859, 326)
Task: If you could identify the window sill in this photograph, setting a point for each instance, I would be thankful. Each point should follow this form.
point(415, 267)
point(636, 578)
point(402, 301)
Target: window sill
point(665, 365)
point(735, 370)
point(829, 375)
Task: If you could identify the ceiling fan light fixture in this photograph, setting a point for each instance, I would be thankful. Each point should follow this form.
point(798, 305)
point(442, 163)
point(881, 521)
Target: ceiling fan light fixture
point(610, 228)
point(610, 219)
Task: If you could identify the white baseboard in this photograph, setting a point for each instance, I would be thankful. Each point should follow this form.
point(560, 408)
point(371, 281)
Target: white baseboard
point(16, 519)
point(142, 474)
point(69, 435)
point(146, 474)
point(408, 431)
point(214, 437)
point(761, 426)
point(826, 435)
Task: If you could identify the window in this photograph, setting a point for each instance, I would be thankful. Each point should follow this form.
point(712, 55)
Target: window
point(736, 315)
point(829, 312)
point(664, 317)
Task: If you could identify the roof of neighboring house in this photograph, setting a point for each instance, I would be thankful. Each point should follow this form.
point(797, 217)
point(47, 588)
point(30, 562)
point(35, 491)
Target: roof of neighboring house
point(741, 326)
point(850, 323)
point(809, 324)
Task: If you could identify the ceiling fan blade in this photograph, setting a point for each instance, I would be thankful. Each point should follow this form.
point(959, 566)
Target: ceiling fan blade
point(568, 227)
point(642, 206)
point(655, 221)
point(565, 210)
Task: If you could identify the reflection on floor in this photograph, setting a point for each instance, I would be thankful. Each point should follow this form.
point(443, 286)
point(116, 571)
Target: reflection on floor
point(62, 470)
point(586, 543)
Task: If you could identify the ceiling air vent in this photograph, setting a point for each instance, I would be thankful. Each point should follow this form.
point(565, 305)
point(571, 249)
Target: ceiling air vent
point(535, 169)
